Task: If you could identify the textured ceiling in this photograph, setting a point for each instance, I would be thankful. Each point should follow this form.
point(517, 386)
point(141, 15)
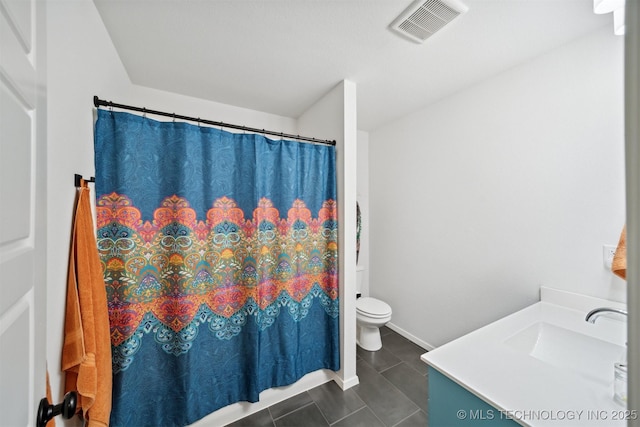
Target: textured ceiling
point(280, 56)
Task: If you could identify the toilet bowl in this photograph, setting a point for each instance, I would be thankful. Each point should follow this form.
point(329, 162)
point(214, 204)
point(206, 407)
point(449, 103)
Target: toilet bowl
point(371, 314)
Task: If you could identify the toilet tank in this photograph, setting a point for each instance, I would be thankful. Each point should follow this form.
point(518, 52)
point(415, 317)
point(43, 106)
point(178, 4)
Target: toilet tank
point(359, 279)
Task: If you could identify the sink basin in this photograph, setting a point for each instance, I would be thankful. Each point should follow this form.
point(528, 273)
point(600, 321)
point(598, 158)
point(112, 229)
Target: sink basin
point(543, 360)
point(590, 357)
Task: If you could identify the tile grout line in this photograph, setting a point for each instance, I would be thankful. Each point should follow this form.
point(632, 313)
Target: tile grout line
point(321, 413)
point(398, 390)
point(294, 410)
point(348, 415)
point(406, 418)
point(390, 367)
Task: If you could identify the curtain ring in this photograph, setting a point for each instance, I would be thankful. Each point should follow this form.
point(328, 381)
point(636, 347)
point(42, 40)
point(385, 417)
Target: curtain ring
point(144, 112)
point(174, 117)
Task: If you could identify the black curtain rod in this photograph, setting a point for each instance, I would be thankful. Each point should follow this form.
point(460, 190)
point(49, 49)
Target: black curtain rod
point(100, 102)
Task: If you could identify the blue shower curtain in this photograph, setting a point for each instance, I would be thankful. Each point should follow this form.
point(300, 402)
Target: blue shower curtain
point(220, 255)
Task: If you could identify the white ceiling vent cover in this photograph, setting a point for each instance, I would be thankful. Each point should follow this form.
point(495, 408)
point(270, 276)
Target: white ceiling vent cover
point(423, 18)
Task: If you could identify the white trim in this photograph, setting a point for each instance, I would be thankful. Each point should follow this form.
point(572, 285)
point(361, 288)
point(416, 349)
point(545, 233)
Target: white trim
point(411, 337)
point(346, 384)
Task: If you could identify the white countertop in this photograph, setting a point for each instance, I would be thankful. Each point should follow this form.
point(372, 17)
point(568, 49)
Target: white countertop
point(495, 364)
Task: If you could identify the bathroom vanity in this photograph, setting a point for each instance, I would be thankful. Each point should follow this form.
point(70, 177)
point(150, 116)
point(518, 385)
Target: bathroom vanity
point(541, 366)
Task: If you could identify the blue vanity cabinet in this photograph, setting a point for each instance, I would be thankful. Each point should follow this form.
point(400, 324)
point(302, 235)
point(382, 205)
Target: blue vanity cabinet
point(451, 405)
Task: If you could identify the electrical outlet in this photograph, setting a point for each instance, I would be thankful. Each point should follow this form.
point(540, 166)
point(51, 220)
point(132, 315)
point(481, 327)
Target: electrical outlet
point(608, 251)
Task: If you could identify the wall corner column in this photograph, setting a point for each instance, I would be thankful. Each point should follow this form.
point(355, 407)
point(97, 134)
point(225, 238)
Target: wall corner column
point(334, 116)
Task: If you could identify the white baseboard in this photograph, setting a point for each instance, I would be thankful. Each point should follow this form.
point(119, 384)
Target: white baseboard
point(411, 337)
point(346, 384)
point(236, 411)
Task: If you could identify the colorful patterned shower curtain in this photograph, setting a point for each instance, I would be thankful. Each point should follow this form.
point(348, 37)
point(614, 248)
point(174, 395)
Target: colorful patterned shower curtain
point(220, 260)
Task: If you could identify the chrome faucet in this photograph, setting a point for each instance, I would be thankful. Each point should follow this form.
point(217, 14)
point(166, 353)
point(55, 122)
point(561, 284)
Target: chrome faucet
point(597, 312)
point(620, 368)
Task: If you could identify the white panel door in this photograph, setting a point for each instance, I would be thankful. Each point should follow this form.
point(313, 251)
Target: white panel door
point(22, 210)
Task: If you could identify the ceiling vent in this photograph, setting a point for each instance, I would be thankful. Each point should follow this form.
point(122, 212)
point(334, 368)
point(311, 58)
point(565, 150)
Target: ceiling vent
point(423, 18)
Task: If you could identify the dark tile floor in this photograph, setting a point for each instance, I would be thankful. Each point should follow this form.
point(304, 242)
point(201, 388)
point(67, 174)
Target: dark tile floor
point(392, 393)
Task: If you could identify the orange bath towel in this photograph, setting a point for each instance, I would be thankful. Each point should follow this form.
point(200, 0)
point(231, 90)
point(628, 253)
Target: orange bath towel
point(619, 264)
point(86, 354)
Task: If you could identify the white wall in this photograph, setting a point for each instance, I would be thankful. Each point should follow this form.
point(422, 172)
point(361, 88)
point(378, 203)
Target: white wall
point(511, 184)
point(362, 194)
point(83, 63)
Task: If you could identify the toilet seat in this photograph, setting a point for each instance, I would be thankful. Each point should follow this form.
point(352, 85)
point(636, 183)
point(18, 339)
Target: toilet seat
point(373, 307)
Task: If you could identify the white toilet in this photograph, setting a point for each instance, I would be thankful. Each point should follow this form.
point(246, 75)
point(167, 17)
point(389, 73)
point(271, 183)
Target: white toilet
point(371, 314)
